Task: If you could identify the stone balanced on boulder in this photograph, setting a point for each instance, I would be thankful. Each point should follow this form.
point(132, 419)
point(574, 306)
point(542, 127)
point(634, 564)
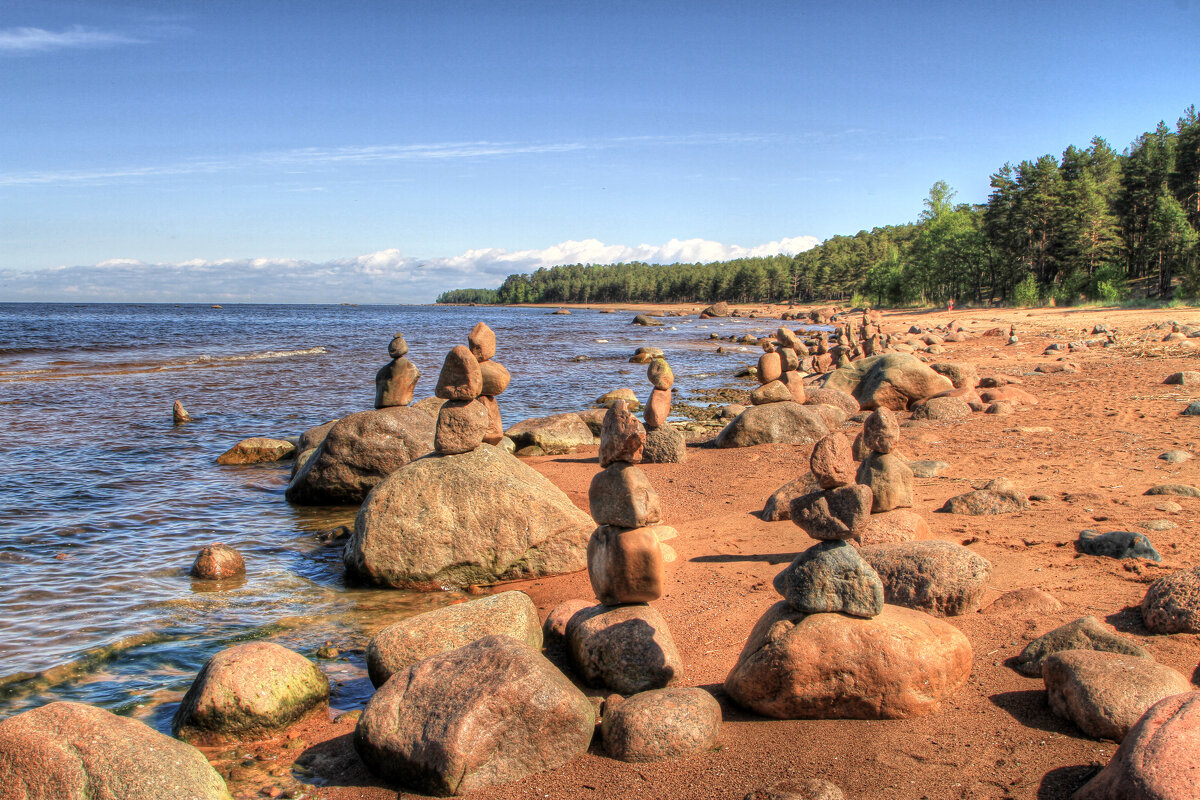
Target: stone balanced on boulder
point(395, 382)
point(469, 383)
point(664, 444)
point(791, 349)
point(890, 479)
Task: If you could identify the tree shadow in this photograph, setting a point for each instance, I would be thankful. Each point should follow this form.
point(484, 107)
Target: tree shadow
point(1062, 782)
point(1031, 709)
point(768, 558)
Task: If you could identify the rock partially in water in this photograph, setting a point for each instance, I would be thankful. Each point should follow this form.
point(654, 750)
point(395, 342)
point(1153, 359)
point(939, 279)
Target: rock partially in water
point(257, 450)
point(556, 434)
point(218, 562)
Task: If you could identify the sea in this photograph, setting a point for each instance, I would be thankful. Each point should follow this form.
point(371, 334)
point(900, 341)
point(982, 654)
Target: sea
point(105, 502)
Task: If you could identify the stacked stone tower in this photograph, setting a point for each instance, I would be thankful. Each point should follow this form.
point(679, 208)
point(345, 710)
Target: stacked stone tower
point(890, 479)
point(664, 444)
point(395, 382)
point(791, 350)
point(469, 382)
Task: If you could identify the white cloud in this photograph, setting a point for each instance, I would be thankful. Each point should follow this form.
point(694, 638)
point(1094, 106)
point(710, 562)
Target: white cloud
point(20, 41)
point(386, 276)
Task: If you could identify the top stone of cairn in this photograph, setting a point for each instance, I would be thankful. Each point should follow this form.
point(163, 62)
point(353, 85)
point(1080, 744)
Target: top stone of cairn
point(482, 341)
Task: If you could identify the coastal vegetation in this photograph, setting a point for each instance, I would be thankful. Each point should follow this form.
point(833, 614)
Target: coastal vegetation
point(1093, 224)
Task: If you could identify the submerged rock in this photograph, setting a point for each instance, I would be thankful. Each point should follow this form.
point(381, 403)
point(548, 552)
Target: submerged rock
point(257, 450)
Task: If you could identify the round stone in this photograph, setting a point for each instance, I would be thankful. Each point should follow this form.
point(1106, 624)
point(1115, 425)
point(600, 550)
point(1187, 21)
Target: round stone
point(662, 724)
point(218, 562)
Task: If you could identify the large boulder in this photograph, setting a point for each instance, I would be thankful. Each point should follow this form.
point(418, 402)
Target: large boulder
point(774, 423)
point(1172, 603)
point(359, 451)
point(940, 578)
point(902, 663)
point(1085, 633)
point(404, 643)
point(892, 380)
point(1106, 693)
point(832, 397)
point(556, 435)
point(250, 691)
point(625, 648)
point(478, 517)
point(1159, 759)
point(71, 751)
point(488, 713)
point(661, 724)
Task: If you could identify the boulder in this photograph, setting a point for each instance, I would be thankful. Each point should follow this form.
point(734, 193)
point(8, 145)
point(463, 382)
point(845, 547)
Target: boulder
point(621, 495)
point(358, 452)
point(554, 628)
point(593, 418)
point(1174, 489)
point(395, 382)
point(890, 479)
point(218, 562)
point(778, 423)
point(833, 514)
point(627, 649)
point(832, 416)
point(461, 427)
point(1117, 544)
point(311, 439)
point(900, 525)
point(662, 724)
point(257, 450)
point(779, 504)
point(998, 497)
point(488, 713)
point(402, 644)
point(1106, 693)
point(250, 691)
point(892, 380)
point(429, 405)
point(943, 409)
point(452, 521)
point(1085, 633)
point(650, 322)
point(664, 445)
point(1185, 378)
point(1159, 758)
point(831, 576)
point(961, 374)
point(555, 435)
point(719, 309)
point(71, 751)
point(901, 663)
point(625, 565)
point(939, 578)
point(833, 397)
point(460, 378)
point(1172, 603)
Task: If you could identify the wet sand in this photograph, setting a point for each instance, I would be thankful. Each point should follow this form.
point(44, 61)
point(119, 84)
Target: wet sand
point(996, 738)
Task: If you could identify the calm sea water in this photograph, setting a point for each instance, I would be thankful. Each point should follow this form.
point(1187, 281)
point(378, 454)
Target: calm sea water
point(105, 502)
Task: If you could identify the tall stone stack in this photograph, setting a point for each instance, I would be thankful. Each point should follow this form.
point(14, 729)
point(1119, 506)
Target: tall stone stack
point(469, 382)
point(395, 382)
point(890, 479)
point(771, 388)
point(663, 444)
point(791, 349)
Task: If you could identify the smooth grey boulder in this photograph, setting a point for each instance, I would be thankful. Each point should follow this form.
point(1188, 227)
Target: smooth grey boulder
point(1085, 633)
point(1117, 544)
point(773, 423)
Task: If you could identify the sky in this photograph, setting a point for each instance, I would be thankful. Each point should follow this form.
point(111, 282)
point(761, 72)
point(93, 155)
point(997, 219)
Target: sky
point(273, 151)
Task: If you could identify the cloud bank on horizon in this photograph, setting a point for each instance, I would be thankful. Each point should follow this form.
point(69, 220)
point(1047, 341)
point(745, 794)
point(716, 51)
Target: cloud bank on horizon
point(386, 276)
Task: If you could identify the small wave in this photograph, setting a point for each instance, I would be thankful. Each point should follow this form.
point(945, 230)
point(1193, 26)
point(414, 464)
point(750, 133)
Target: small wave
point(135, 367)
point(264, 356)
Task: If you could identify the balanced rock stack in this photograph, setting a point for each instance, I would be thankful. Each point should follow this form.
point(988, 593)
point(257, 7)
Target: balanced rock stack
point(890, 479)
point(663, 444)
point(833, 649)
point(772, 388)
point(395, 382)
point(791, 349)
point(469, 383)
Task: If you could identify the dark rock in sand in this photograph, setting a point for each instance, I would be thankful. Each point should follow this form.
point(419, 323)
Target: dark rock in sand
point(625, 648)
point(359, 451)
point(486, 714)
point(778, 423)
point(662, 724)
point(1185, 378)
point(665, 445)
point(1117, 544)
point(1176, 489)
point(452, 521)
point(939, 578)
point(833, 514)
point(1085, 633)
point(1176, 456)
point(218, 562)
point(998, 497)
point(72, 751)
point(250, 691)
point(779, 505)
point(1172, 603)
point(257, 450)
point(831, 576)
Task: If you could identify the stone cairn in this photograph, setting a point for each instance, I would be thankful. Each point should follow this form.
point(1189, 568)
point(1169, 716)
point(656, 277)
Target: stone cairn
point(469, 383)
point(625, 556)
point(663, 444)
point(831, 576)
point(889, 478)
point(395, 382)
point(779, 375)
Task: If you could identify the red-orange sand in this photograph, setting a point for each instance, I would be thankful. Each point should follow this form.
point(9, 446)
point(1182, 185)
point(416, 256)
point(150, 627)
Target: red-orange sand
point(996, 738)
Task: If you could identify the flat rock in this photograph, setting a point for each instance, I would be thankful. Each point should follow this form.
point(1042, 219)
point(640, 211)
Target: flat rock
point(257, 450)
point(998, 497)
point(774, 423)
point(627, 649)
point(1105, 694)
point(452, 521)
point(939, 578)
point(831, 576)
point(359, 451)
point(901, 663)
point(662, 724)
point(1028, 602)
point(556, 434)
point(1085, 633)
point(664, 445)
point(927, 468)
point(422, 729)
point(1013, 395)
point(72, 751)
point(1117, 544)
point(901, 525)
point(250, 691)
point(1172, 603)
point(400, 645)
point(1175, 489)
point(1159, 758)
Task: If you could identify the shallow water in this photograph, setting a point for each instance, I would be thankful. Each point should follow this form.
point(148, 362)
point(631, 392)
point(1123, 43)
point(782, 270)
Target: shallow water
point(105, 502)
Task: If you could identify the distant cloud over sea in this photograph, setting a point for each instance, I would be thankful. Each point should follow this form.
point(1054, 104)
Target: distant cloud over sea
point(387, 276)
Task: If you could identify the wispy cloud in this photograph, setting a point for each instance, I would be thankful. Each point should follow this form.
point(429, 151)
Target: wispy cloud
point(24, 41)
point(386, 276)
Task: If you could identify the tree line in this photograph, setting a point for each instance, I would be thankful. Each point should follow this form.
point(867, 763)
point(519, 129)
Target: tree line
point(1091, 224)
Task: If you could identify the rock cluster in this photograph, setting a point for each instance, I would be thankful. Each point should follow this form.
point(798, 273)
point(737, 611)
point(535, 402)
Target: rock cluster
point(890, 479)
point(469, 382)
point(396, 380)
point(663, 444)
point(779, 373)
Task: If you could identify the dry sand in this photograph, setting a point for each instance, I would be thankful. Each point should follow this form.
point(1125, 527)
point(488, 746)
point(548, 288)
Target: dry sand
point(1091, 446)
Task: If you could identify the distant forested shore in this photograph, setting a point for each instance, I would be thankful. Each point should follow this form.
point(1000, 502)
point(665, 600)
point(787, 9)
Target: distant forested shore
point(1092, 225)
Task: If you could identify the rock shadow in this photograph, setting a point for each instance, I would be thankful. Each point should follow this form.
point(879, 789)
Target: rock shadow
point(768, 558)
point(335, 762)
point(1062, 782)
point(1031, 709)
point(1129, 620)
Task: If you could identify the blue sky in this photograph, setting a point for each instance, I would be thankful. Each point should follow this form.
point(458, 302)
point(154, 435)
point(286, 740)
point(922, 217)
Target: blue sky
point(358, 151)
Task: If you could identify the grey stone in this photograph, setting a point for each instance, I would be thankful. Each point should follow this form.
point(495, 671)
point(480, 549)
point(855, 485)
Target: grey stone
point(1085, 633)
point(625, 648)
point(831, 576)
point(1117, 544)
point(833, 514)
